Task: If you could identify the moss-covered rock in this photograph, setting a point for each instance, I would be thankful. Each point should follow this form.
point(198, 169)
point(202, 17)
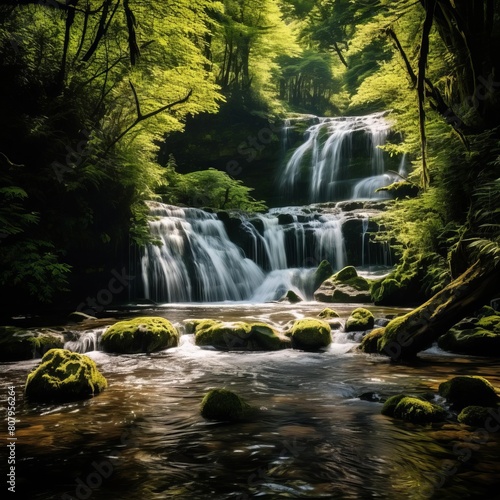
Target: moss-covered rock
point(413, 409)
point(344, 286)
point(328, 313)
point(322, 273)
point(310, 334)
point(64, 376)
point(292, 297)
point(17, 344)
point(475, 416)
point(239, 335)
point(465, 391)
point(479, 335)
point(221, 404)
point(143, 334)
point(361, 319)
point(369, 343)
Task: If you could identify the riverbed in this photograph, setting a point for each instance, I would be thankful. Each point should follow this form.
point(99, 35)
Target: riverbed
point(316, 432)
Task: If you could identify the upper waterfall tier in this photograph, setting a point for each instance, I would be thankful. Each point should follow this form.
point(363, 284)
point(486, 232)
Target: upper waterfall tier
point(340, 158)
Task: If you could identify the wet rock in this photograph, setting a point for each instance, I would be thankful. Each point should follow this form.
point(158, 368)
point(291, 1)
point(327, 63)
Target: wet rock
point(369, 343)
point(372, 397)
point(221, 404)
point(361, 319)
point(142, 334)
point(345, 286)
point(291, 297)
point(17, 344)
point(413, 409)
point(285, 219)
point(239, 336)
point(463, 391)
point(310, 334)
point(478, 336)
point(322, 273)
point(475, 416)
point(328, 313)
point(64, 376)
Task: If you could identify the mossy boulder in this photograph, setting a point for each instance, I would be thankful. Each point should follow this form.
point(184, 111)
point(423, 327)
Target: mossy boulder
point(322, 273)
point(143, 334)
point(361, 319)
point(475, 416)
point(344, 286)
point(369, 343)
point(62, 376)
point(478, 336)
point(17, 344)
point(221, 404)
point(310, 334)
point(413, 409)
point(328, 313)
point(239, 335)
point(292, 297)
point(463, 391)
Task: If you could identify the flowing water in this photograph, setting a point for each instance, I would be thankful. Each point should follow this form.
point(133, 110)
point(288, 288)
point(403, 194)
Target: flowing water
point(311, 435)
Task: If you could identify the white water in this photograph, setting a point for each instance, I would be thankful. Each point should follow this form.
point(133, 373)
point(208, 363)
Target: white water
point(196, 261)
point(324, 160)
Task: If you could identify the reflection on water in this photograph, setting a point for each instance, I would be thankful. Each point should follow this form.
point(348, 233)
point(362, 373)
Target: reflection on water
point(310, 437)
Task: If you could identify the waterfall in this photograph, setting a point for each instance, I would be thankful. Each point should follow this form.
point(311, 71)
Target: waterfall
point(196, 261)
point(333, 165)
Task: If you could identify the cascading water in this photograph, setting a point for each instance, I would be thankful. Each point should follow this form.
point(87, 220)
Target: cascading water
point(196, 261)
point(331, 162)
point(259, 257)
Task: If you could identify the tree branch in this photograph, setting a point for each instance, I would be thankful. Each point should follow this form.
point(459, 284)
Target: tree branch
point(140, 117)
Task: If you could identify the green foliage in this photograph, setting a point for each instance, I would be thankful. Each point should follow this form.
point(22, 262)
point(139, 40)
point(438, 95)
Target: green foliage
point(208, 188)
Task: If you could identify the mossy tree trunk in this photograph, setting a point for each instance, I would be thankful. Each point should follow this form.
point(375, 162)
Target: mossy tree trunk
point(407, 335)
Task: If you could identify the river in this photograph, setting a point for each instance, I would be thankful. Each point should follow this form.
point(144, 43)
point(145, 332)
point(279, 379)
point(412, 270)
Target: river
point(312, 436)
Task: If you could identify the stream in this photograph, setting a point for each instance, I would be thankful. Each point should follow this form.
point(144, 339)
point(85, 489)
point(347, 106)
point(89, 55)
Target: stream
point(312, 436)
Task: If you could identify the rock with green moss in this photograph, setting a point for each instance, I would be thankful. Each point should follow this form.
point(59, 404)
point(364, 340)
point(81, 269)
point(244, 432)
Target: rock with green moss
point(413, 409)
point(310, 334)
point(239, 336)
point(478, 336)
point(17, 344)
point(328, 313)
point(475, 416)
point(465, 391)
point(143, 334)
point(361, 319)
point(221, 404)
point(369, 343)
point(322, 273)
point(292, 297)
point(64, 376)
point(344, 286)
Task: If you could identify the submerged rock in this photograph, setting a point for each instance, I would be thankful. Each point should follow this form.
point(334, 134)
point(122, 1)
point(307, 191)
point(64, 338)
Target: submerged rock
point(413, 409)
point(328, 313)
point(221, 404)
point(239, 335)
point(310, 334)
point(143, 334)
point(465, 391)
point(64, 376)
point(361, 319)
point(344, 286)
point(17, 344)
point(475, 416)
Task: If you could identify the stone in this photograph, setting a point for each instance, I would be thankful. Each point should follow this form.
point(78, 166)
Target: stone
point(310, 334)
point(344, 287)
point(413, 409)
point(17, 344)
point(143, 334)
point(239, 335)
point(63, 376)
point(361, 319)
point(465, 391)
point(221, 404)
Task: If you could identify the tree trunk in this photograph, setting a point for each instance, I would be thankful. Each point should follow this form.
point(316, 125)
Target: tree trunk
point(407, 335)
